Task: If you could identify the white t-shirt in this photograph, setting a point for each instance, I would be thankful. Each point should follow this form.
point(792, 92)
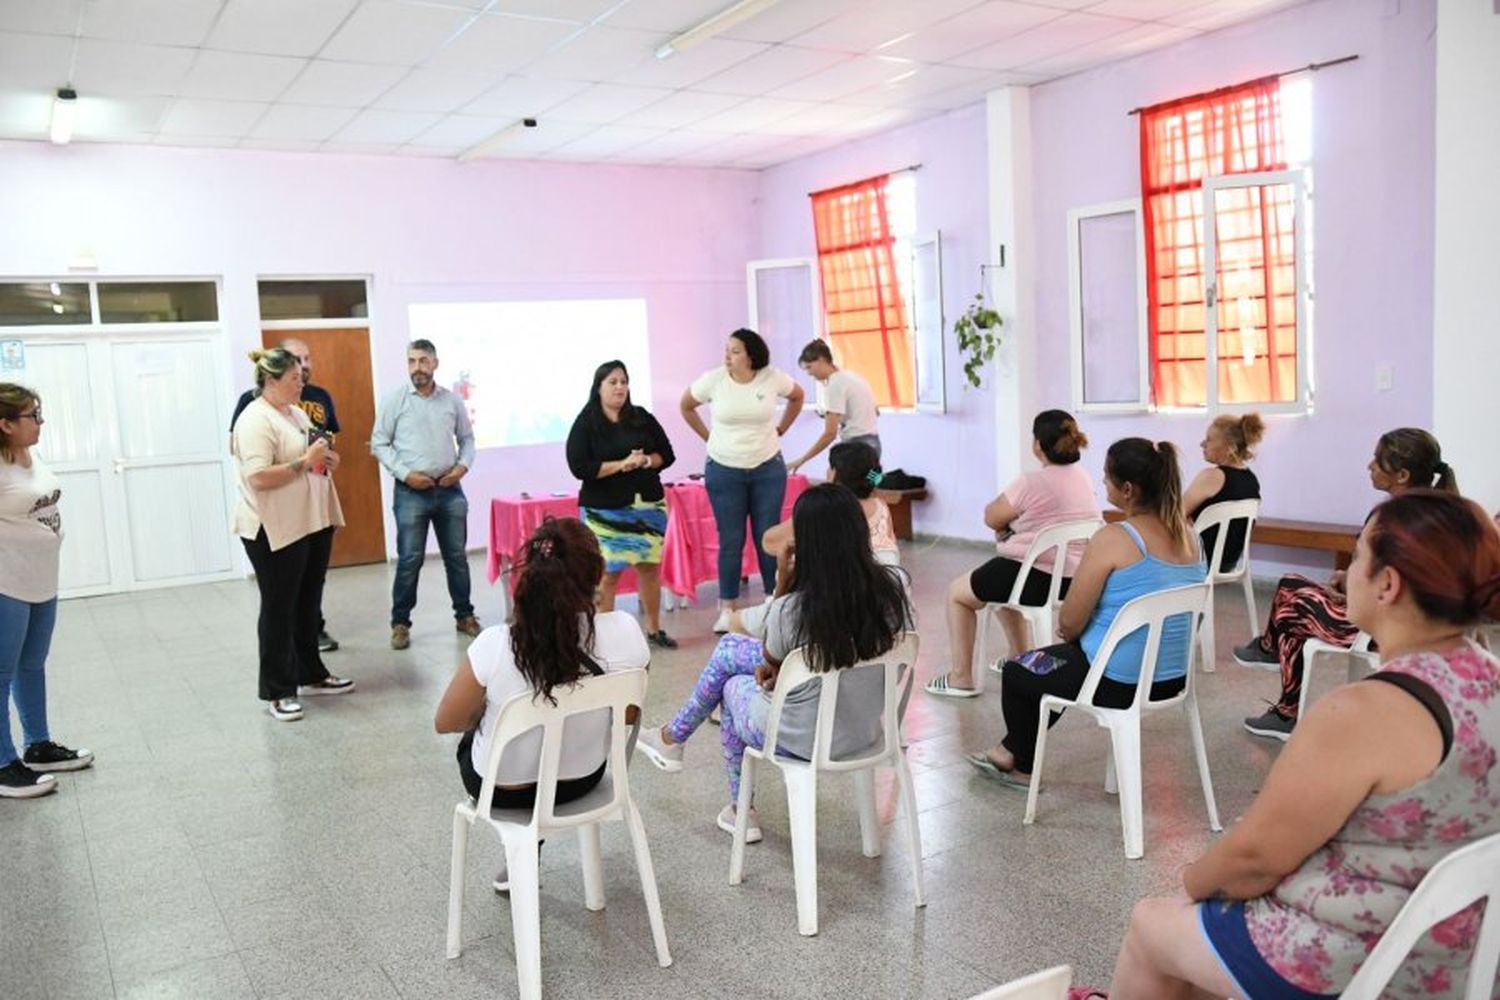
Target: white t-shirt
point(849, 395)
point(30, 531)
point(618, 645)
point(743, 433)
point(1053, 494)
point(265, 436)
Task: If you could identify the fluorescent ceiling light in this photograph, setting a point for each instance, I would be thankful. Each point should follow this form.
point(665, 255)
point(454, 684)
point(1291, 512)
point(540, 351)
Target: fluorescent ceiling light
point(711, 26)
point(64, 107)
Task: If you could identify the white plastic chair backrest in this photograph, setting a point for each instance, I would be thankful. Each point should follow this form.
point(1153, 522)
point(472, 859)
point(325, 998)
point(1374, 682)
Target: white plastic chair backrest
point(899, 665)
point(523, 713)
point(1469, 874)
point(1055, 539)
point(1361, 643)
point(1223, 515)
point(1049, 984)
point(1151, 613)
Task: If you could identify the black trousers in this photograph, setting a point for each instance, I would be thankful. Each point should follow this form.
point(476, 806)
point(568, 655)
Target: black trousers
point(568, 789)
point(1065, 667)
point(291, 598)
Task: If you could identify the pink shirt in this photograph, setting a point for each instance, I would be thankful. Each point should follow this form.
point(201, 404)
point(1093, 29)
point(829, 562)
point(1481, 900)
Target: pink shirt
point(1050, 495)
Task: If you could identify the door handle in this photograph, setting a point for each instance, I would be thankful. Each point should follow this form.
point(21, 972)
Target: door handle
point(119, 466)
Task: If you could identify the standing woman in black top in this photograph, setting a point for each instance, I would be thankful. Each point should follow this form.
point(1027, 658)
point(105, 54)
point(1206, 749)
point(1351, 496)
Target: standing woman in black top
point(1228, 446)
point(618, 450)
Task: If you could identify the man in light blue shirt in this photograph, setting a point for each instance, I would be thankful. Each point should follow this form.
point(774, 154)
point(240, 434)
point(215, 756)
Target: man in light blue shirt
point(424, 439)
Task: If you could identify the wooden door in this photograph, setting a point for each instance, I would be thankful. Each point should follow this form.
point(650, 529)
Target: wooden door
point(341, 364)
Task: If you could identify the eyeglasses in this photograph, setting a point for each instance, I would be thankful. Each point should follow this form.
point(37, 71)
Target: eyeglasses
point(33, 415)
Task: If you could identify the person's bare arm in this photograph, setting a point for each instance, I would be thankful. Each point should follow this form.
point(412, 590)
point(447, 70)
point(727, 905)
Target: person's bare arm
point(463, 703)
point(1335, 759)
point(1204, 485)
point(794, 400)
point(273, 476)
point(998, 514)
point(830, 431)
point(777, 538)
point(689, 406)
point(1107, 550)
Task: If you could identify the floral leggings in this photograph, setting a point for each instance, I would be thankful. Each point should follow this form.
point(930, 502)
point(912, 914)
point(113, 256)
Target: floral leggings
point(1301, 610)
point(727, 681)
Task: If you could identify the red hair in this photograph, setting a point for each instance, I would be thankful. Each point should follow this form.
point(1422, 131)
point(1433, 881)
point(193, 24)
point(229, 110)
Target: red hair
point(1446, 549)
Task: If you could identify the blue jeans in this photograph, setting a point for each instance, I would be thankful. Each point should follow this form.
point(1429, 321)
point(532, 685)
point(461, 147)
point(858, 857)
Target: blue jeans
point(447, 510)
point(734, 495)
point(25, 637)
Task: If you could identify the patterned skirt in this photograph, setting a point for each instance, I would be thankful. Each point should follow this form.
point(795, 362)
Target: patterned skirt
point(628, 535)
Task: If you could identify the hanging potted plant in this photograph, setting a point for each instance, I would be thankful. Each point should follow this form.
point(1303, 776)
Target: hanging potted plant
point(978, 336)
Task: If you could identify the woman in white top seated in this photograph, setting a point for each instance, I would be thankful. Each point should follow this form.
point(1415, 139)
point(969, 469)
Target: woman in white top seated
point(555, 640)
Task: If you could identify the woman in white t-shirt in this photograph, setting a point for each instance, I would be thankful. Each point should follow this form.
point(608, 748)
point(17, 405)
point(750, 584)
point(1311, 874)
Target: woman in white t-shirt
point(30, 549)
point(555, 640)
point(1060, 491)
point(286, 517)
point(745, 473)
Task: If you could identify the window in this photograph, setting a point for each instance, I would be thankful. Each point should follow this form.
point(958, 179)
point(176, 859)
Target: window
point(44, 303)
point(863, 232)
point(158, 302)
point(1107, 308)
point(313, 299)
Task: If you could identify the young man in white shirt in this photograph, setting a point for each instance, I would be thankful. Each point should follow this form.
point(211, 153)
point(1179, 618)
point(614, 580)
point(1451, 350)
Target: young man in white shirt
point(849, 412)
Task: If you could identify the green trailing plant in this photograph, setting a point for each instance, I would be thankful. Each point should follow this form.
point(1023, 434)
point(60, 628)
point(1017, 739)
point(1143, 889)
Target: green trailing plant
point(978, 337)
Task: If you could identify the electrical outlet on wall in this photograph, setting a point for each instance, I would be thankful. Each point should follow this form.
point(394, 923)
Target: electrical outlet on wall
point(1385, 376)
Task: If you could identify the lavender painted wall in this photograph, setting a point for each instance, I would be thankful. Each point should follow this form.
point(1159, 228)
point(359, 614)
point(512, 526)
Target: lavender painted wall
point(1373, 230)
point(954, 451)
point(427, 231)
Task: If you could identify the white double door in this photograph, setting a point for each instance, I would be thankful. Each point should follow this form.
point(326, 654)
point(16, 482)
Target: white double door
point(136, 430)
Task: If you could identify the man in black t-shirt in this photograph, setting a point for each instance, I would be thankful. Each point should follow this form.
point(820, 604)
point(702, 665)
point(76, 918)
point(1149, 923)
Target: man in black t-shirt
point(318, 405)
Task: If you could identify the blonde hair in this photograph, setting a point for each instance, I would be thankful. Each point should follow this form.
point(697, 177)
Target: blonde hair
point(13, 400)
point(1242, 433)
point(272, 363)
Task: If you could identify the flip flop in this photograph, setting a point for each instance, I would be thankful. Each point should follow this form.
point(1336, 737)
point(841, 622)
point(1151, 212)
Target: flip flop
point(995, 773)
point(939, 686)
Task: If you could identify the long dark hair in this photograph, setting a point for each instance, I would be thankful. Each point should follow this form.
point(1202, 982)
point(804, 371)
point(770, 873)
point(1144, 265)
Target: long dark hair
point(1153, 470)
point(853, 608)
point(855, 465)
point(1418, 454)
point(630, 414)
point(554, 605)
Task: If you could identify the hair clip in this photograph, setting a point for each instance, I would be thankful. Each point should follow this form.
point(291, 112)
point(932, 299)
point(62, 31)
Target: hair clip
point(875, 476)
point(543, 549)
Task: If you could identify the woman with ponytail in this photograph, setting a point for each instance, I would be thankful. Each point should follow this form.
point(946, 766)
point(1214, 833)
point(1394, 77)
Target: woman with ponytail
point(1383, 778)
point(1151, 550)
point(1228, 446)
point(1405, 458)
point(1060, 491)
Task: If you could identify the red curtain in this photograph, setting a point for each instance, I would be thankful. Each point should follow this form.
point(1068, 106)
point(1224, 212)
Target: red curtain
point(862, 301)
point(1232, 131)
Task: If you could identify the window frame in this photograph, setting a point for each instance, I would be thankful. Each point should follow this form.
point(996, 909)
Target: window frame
point(919, 241)
point(1076, 217)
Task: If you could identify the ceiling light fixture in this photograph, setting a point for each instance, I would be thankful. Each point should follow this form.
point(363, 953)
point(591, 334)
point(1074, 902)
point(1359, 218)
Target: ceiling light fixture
point(64, 107)
point(711, 26)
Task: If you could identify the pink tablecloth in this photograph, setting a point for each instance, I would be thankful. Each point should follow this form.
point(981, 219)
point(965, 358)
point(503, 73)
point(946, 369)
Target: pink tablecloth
point(690, 554)
point(513, 519)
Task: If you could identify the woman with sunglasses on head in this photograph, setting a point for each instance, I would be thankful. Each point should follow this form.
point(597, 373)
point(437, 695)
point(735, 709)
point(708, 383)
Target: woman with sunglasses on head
point(30, 552)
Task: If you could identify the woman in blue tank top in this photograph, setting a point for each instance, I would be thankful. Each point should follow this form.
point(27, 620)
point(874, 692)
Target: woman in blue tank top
point(1152, 550)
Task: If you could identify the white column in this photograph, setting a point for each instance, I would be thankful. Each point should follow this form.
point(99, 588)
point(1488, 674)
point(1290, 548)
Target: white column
point(1011, 288)
point(1466, 328)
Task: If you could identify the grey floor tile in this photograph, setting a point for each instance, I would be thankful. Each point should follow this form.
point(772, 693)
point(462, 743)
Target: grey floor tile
point(222, 978)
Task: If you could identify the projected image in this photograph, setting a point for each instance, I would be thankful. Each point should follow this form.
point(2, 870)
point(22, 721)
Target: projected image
point(523, 368)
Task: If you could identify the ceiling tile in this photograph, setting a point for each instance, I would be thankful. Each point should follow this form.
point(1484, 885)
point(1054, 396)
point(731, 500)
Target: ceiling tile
point(341, 84)
point(360, 148)
point(820, 119)
point(968, 93)
point(845, 78)
point(299, 122)
point(497, 45)
point(434, 90)
point(34, 62)
point(196, 141)
point(986, 24)
point(281, 145)
point(1145, 10)
point(671, 16)
point(918, 81)
point(1141, 38)
point(432, 152)
point(25, 116)
point(876, 22)
point(462, 131)
point(577, 11)
point(382, 31)
point(124, 69)
point(599, 53)
point(209, 118)
point(130, 119)
point(1066, 4)
point(681, 109)
point(377, 126)
point(605, 102)
point(1222, 13)
point(54, 17)
point(754, 115)
point(531, 142)
point(239, 76)
point(788, 19)
point(1051, 39)
point(776, 67)
point(735, 148)
point(683, 69)
point(278, 27)
point(522, 96)
point(608, 140)
point(671, 145)
point(158, 22)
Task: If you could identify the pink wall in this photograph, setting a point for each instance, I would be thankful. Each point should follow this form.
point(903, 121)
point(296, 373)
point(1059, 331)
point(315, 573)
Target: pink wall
point(956, 451)
point(426, 230)
point(1373, 181)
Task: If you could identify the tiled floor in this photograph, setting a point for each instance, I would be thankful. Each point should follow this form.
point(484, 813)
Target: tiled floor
point(215, 853)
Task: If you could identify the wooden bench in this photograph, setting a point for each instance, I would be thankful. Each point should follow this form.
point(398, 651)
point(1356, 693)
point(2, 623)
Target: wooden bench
point(900, 501)
point(1319, 535)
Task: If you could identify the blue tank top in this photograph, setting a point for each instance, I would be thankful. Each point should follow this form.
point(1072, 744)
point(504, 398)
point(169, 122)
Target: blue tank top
point(1148, 576)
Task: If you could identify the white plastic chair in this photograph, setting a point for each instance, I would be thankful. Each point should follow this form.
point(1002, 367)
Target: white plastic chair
point(1049, 984)
point(801, 776)
point(1041, 618)
point(1223, 516)
point(1122, 768)
point(1361, 661)
point(1464, 877)
point(522, 829)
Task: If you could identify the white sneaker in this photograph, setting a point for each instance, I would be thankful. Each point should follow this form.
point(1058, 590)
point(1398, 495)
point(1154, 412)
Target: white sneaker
point(752, 831)
point(667, 756)
point(721, 623)
point(285, 709)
